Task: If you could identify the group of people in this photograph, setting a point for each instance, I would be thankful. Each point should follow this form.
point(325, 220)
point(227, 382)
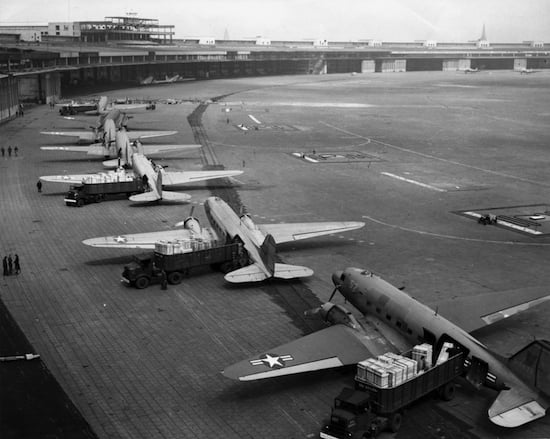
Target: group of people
point(11, 265)
point(15, 150)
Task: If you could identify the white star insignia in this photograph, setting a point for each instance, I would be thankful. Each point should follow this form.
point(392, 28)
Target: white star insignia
point(272, 361)
point(120, 239)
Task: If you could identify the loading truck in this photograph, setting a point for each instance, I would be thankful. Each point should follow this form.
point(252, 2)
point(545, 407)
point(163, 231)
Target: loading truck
point(95, 192)
point(369, 408)
point(147, 269)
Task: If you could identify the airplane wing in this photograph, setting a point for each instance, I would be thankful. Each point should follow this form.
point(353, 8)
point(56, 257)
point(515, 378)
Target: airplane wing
point(474, 312)
point(95, 150)
point(295, 231)
point(135, 135)
point(335, 346)
point(138, 240)
point(84, 135)
point(154, 149)
point(70, 179)
point(515, 407)
point(183, 177)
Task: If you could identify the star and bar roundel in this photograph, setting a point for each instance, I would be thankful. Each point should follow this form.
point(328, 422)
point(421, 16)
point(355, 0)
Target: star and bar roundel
point(272, 360)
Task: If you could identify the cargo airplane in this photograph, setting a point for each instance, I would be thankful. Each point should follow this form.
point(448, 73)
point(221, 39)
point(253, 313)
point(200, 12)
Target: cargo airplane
point(154, 178)
point(393, 321)
point(259, 240)
point(120, 149)
point(104, 131)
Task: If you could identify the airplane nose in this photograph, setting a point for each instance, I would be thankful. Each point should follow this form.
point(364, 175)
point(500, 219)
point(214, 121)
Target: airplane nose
point(337, 278)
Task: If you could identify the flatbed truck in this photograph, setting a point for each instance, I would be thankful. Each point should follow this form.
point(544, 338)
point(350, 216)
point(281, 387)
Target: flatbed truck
point(147, 269)
point(367, 409)
point(86, 193)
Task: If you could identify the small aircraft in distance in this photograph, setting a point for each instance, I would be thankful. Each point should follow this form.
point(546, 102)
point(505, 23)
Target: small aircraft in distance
point(526, 71)
point(259, 240)
point(154, 178)
point(122, 148)
point(470, 70)
point(393, 321)
point(167, 80)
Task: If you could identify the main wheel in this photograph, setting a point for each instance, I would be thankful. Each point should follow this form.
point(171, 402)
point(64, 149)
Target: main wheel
point(80, 202)
point(142, 282)
point(447, 391)
point(394, 422)
point(175, 277)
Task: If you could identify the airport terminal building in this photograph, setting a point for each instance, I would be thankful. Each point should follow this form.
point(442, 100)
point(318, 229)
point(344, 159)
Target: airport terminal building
point(48, 61)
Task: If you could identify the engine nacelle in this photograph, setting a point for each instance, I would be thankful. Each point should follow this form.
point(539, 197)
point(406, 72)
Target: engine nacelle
point(193, 224)
point(337, 314)
point(247, 221)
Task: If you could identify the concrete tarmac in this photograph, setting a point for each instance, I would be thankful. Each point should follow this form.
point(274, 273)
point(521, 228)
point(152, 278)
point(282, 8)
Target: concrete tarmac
point(146, 363)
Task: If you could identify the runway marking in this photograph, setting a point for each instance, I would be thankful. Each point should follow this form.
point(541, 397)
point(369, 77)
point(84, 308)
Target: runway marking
point(254, 119)
point(456, 238)
point(408, 180)
point(433, 157)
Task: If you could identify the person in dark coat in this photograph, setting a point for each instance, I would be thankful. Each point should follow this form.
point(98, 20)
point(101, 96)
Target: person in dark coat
point(16, 264)
point(9, 150)
point(39, 185)
point(163, 280)
point(16, 150)
point(10, 265)
point(5, 265)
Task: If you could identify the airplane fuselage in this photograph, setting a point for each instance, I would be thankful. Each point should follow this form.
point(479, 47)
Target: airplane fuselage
point(228, 225)
point(416, 322)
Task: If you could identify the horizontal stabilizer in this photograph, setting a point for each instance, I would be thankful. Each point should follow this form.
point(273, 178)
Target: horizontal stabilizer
point(250, 273)
point(285, 271)
point(255, 273)
point(153, 196)
point(512, 409)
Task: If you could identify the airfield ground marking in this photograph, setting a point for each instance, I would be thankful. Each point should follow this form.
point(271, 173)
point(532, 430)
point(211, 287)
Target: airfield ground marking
point(413, 182)
point(254, 119)
point(433, 157)
point(457, 238)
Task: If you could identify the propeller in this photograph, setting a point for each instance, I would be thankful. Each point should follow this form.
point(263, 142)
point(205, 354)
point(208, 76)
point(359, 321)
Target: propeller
point(190, 223)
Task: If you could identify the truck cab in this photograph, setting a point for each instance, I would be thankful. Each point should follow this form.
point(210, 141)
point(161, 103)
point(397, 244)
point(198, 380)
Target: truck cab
point(141, 271)
point(351, 417)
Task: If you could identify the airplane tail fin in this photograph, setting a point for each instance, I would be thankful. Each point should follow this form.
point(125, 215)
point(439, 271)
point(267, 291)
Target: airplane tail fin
point(267, 253)
point(532, 364)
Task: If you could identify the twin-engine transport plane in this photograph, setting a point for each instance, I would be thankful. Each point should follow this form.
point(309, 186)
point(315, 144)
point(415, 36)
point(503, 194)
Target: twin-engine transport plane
point(259, 240)
point(394, 321)
point(121, 149)
point(104, 130)
point(154, 178)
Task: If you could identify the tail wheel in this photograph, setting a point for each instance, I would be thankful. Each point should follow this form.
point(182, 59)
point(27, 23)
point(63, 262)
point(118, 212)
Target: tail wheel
point(447, 391)
point(175, 277)
point(394, 423)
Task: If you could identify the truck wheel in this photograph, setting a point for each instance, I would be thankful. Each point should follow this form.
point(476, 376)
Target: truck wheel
point(142, 282)
point(394, 422)
point(79, 202)
point(175, 277)
point(447, 391)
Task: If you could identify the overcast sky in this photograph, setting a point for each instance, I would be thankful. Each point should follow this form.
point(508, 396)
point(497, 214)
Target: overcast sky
point(335, 20)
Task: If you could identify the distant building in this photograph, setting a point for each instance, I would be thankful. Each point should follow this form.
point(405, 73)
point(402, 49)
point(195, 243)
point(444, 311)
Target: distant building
point(26, 32)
